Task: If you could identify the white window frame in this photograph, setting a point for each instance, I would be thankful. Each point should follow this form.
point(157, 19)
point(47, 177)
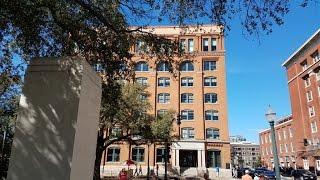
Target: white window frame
point(286, 147)
point(292, 149)
point(164, 82)
point(142, 81)
point(290, 132)
point(313, 126)
point(279, 135)
point(163, 97)
point(318, 75)
point(190, 45)
point(280, 147)
point(311, 111)
point(284, 134)
point(307, 82)
point(190, 134)
point(309, 96)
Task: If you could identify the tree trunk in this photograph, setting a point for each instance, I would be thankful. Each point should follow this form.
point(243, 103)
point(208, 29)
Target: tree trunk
point(99, 153)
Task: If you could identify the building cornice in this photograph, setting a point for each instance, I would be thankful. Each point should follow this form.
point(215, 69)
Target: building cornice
point(293, 56)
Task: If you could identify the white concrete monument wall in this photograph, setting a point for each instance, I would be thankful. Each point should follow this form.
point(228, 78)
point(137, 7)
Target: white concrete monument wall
point(56, 131)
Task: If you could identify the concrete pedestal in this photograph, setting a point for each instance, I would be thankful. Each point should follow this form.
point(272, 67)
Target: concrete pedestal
point(56, 131)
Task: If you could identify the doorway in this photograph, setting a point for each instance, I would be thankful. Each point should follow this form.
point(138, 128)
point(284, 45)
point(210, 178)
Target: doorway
point(188, 158)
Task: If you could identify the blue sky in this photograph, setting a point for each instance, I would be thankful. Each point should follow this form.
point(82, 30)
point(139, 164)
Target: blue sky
point(255, 77)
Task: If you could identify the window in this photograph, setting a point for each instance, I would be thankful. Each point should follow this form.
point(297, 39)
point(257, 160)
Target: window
point(113, 154)
point(143, 97)
point(270, 150)
point(284, 134)
point(142, 81)
point(141, 46)
point(187, 133)
point(187, 81)
point(205, 44)
point(286, 147)
point(307, 82)
point(279, 135)
point(267, 151)
point(141, 67)
point(209, 65)
point(210, 81)
point(160, 155)
point(212, 133)
point(311, 111)
point(138, 154)
point(187, 98)
point(309, 96)
point(318, 75)
point(182, 45)
point(190, 45)
point(210, 98)
point(290, 132)
point(163, 98)
point(292, 150)
point(213, 44)
point(187, 114)
point(214, 158)
point(115, 132)
point(186, 66)
point(163, 82)
point(261, 139)
point(315, 56)
point(211, 115)
point(163, 66)
point(161, 112)
point(280, 148)
point(304, 65)
point(313, 127)
point(97, 67)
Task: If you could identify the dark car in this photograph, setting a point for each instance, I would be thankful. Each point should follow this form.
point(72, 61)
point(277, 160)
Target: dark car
point(266, 173)
point(303, 174)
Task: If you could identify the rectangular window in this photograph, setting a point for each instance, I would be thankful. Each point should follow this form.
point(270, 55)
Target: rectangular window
point(292, 150)
point(142, 81)
point(280, 148)
point(284, 134)
point(311, 111)
point(160, 155)
point(290, 132)
point(267, 151)
point(187, 98)
point(190, 45)
point(315, 56)
point(318, 75)
point(138, 154)
point(261, 139)
point(210, 81)
point(205, 44)
point(304, 65)
point(113, 155)
point(286, 147)
point(314, 127)
point(163, 82)
point(279, 135)
point(187, 81)
point(187, 133)
point(271, 150)
point(307, 82)
point(182, 45)
point(309, 96)
point(213, 44)
point(209, 65)
point(163, 98)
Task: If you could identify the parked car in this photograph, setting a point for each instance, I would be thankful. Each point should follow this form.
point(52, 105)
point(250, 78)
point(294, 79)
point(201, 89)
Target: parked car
point(265, 172)
point(241, 172)
point(303, 174)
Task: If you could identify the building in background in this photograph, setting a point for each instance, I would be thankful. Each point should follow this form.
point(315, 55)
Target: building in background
point(285, 138)
point(197, 93)
point(237, 138)
point(245, 154)
point(303, 73)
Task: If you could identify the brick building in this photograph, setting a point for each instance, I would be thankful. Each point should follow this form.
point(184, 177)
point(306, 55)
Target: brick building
point(303, 81)
point(197, 92)
point(285, 138)
point(244, 154)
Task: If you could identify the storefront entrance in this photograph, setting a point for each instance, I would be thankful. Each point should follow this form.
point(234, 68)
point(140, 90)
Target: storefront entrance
point(188, 158)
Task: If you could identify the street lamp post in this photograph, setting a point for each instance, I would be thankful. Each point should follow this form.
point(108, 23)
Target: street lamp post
point(271, 116)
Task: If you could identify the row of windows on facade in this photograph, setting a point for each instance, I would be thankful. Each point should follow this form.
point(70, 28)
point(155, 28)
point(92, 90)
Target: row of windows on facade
point(315, 58)
point(210, 81)
point(143, 66)
point(186, 133)
point(284, 132)
point(185, 98)
point(138, 153)
point(185, 45)
point(188, 114)
point(268, 150)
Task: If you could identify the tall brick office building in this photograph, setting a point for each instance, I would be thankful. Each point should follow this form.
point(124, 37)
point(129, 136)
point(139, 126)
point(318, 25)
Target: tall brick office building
point(303, 72)
point(197, 93)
